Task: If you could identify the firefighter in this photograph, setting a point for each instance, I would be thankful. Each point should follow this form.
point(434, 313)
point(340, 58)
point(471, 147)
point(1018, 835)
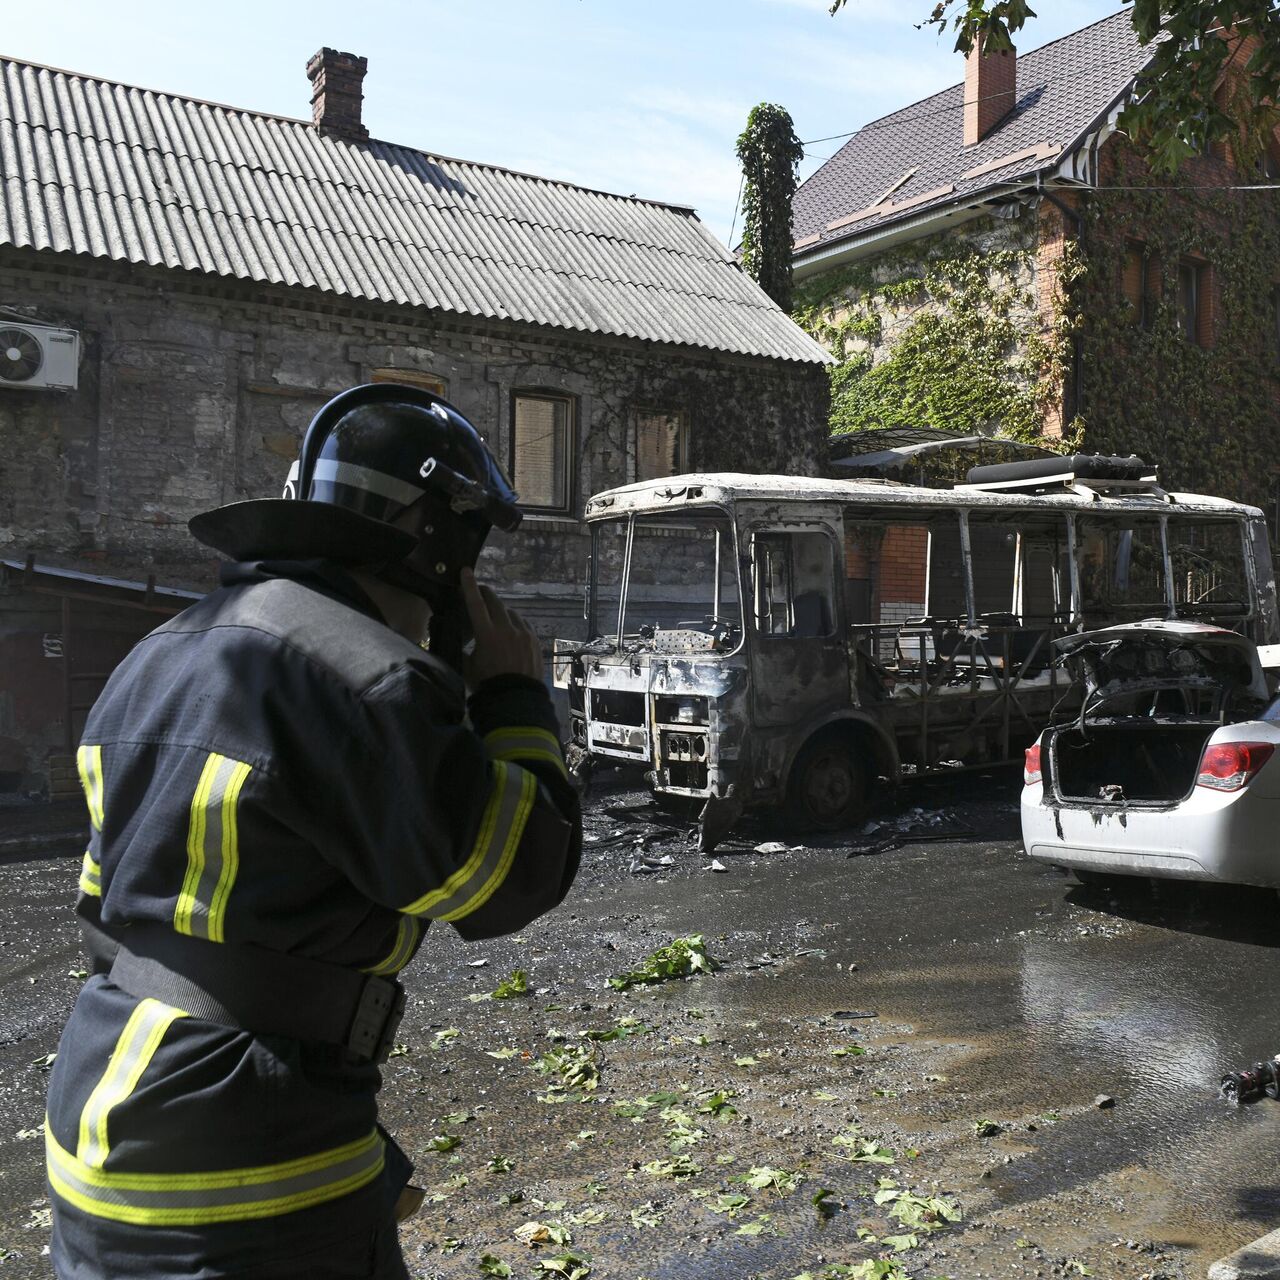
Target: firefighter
point(286, 786)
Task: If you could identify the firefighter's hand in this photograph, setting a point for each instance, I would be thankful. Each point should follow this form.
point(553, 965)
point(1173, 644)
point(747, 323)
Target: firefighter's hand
point(505, 643)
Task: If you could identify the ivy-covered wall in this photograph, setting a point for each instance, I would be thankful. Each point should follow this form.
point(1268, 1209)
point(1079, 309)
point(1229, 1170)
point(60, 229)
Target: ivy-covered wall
point(973, 330)
point(951, 331)
point(1209, 415)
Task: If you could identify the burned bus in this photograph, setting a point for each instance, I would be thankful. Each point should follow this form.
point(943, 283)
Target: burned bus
point(765, 640)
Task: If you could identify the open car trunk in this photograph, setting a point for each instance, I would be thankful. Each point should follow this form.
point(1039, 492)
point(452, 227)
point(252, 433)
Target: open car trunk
point(1154, 693)
point(1127, 762)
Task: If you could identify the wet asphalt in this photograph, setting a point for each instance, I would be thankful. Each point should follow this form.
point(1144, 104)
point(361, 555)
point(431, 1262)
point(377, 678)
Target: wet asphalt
point(921, 992)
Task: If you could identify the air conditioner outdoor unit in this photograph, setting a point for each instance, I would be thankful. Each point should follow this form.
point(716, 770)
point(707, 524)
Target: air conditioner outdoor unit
point(36, 357)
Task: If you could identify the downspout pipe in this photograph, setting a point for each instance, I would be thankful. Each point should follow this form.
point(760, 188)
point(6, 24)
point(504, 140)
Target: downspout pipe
point(1077, 361)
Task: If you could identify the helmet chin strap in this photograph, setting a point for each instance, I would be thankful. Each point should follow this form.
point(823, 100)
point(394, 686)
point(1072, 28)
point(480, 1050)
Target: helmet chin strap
point(449, 627)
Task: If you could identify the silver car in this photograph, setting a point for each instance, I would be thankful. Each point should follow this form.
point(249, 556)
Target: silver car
point(1166, 770)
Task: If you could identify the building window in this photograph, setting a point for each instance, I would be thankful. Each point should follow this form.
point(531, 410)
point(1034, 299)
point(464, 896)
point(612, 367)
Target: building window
point(662, 445)
point(542, 449)
point(1193, 302)
point(1134, 282)
point(409, 378)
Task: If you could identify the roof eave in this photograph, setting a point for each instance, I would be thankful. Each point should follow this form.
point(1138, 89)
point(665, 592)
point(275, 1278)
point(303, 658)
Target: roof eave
point(948, 213)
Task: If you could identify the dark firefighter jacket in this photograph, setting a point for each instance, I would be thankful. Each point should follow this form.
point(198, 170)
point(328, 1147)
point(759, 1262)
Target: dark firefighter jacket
point(276, 766)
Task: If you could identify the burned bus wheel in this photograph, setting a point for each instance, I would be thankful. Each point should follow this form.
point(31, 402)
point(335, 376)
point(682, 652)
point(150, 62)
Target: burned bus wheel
point(829, 786)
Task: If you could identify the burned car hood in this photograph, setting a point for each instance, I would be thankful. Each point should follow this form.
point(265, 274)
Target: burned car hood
point(1160, 654)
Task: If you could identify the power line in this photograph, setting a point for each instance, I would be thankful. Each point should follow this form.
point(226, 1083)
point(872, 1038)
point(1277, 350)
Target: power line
point(737, 204)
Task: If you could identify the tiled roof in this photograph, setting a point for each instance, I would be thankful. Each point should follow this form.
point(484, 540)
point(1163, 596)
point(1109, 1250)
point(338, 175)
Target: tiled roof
point(1063, 88)
point(113, 171)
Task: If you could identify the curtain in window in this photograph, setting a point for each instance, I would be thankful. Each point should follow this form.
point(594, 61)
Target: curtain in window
point(660, 441)
point(540, 451)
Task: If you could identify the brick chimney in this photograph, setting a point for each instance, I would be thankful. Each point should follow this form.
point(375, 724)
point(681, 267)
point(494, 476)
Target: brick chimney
point(990, 90)
point(337, 81)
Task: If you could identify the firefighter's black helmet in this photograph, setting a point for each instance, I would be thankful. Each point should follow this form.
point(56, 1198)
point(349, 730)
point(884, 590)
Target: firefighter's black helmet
point(390, 478)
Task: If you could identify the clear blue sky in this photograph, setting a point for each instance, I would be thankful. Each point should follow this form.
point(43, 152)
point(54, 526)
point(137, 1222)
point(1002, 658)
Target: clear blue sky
point(639, 97)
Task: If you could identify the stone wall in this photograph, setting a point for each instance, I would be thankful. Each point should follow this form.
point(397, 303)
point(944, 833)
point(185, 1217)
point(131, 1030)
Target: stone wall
point(195, 393)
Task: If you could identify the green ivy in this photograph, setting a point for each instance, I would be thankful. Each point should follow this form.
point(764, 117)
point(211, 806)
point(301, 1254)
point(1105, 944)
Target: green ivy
point(971, 358)
point(1207, 415)
point(770, 152)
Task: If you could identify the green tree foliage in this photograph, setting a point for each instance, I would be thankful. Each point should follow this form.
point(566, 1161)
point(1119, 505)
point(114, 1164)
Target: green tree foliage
point(1178, 109)
point(770, 153)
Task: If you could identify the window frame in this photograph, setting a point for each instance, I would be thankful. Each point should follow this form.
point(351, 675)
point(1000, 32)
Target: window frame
point(1199, 332)
point(569, 475)
point(411, 378)
point(647, 411)
point(1142, 303)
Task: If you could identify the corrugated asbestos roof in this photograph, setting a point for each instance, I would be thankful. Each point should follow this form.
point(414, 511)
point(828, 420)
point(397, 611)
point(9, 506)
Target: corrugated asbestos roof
point(1062, 89)
point(94, 167)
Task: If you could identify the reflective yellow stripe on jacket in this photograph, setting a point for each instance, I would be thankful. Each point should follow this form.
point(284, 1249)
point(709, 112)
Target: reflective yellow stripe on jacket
point(213, 850)
point(89, 764)
point(134, 1050)
point(525, 742)
point(221, 1195)
point(90, 876)
point(407, 936)
point(511, 797)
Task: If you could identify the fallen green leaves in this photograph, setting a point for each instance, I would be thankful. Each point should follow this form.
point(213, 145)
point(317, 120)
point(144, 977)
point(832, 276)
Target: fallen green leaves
point(491, 1266)
point(573, 1070)
point(862, 1150)
point(444, 1142)
point(517, 984)
point(536, 1233)
point(730, 1203)
point(680, 1166)
point(717, 1104)
point(760, 1177)
point(638, 1108)
point(569, 1265)
point(916, 1213)
point(647, 1215)
point(622, 1028)
point(823, 1204)
point(681, 958)
point(987, 1128)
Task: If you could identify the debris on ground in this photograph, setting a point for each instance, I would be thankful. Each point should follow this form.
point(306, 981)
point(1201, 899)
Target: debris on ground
point(681, 958)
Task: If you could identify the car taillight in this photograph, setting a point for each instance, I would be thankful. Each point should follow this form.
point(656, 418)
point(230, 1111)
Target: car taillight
point(1228, 766)
point(1031, 769)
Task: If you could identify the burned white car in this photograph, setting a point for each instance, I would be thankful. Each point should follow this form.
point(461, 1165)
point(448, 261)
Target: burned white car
point(766, 640)
point(1169, 767)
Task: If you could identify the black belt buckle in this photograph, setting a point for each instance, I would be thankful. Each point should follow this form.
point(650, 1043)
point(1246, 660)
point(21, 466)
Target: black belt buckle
point(377, 1019)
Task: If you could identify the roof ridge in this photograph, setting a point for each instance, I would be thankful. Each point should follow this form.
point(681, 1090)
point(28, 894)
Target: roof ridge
point(307, 124)
point(400, 201)
point(959, 84)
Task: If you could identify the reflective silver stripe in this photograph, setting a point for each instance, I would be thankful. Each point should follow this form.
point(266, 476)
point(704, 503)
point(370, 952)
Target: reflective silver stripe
point(407, 936)
point(510, 799)
point(213, 852)
point(526, 743)
point(225, 1195)
point(134, 1049)
point(357, 477)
